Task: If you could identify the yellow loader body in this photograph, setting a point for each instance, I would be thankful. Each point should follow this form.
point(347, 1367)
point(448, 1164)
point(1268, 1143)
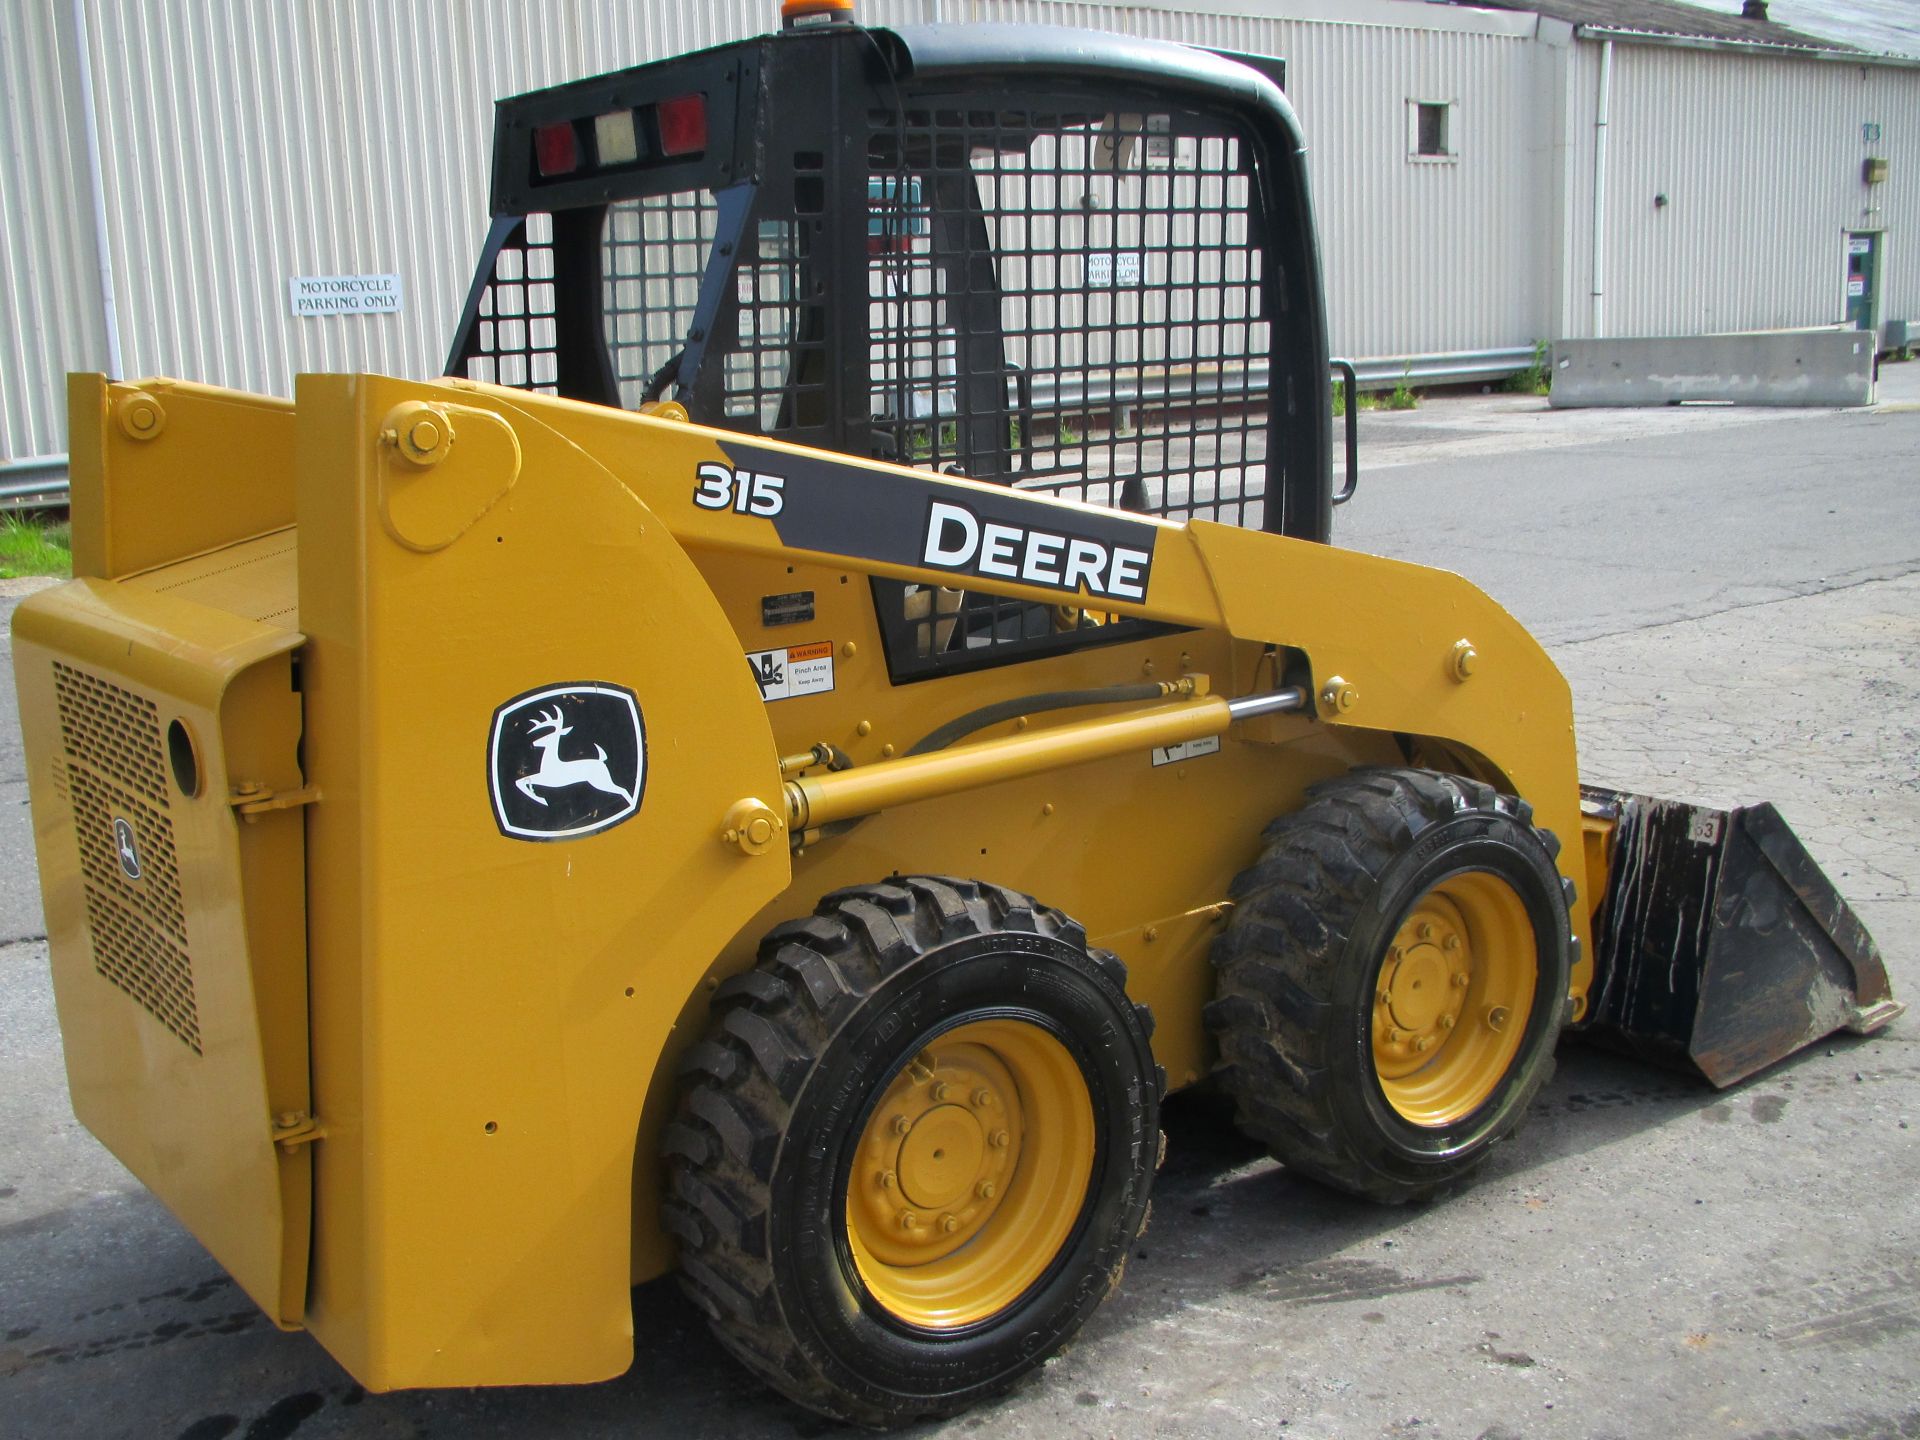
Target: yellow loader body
point(494, 1025)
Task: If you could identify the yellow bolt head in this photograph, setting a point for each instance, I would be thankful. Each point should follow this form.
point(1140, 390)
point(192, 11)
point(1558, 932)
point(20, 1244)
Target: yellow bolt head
point(1497, 1018)
point(902, 1125)
point(941, 1090)
point(1459, 980)
point(982, 1098)
point(1462, 660)
point(1452, 942)
point(887, 1180)
point(1338, 694)
point(1000, 1139)
point(949, 1223)
point(141, 416)
point(1394, 1037)
point(753, 826)
point(1446, 1022)
point(909, 1220)
point(985, 1190)
point(419, 431)
point(1426, 930)
point(1423, 1044)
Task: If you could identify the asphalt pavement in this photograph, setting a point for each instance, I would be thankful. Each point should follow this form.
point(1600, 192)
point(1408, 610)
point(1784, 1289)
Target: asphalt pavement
point(1735, 597)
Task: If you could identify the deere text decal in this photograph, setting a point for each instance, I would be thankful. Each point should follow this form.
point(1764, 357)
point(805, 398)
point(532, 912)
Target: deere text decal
point(983, 532)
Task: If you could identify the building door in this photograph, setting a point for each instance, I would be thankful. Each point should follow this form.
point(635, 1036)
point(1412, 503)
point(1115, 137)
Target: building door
point(1863, 280)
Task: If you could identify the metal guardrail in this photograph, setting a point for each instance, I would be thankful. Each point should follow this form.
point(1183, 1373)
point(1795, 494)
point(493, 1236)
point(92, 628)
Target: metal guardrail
point(36, 484)
point(1049, 393)
point(41, 483)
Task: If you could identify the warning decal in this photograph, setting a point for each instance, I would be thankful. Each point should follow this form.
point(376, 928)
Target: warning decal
point(1186, 750)
point(795, 670)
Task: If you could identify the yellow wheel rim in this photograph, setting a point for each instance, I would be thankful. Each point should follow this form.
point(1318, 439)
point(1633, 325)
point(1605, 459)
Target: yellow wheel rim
point(1451, 999)
point(970, 1173)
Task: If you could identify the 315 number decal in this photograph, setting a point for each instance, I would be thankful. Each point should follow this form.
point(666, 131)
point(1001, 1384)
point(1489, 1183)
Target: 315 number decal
point(745, 492)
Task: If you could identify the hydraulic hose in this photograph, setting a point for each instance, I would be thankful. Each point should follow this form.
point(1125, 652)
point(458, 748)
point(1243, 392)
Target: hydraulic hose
point(1003, 710)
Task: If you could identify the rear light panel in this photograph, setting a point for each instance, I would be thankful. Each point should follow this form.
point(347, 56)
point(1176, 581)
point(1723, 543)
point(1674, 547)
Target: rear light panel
point(683, 125)
point(672, 129)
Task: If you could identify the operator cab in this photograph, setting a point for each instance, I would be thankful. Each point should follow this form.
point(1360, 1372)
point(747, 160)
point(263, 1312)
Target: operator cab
point(1066, 261)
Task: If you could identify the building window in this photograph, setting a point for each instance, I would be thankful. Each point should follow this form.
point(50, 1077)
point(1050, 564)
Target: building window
point(1430, 130)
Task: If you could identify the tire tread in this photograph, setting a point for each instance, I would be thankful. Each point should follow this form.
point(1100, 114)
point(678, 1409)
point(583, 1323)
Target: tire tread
point(1274, 1015)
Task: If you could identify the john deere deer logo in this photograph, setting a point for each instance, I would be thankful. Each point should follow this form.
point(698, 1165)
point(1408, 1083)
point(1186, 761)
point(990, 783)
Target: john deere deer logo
point(555, 773)
point(566, 761)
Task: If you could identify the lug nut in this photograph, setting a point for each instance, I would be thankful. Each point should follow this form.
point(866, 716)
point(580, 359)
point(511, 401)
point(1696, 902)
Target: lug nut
point(984, 1190)
point(1394, 1037)
point(949, 1223)
point(1459, 980)
point(909, 1220)
point(1423, 1044)
point(1426, 930)
point(1453, 942)
point(1000, 1139)
point(887, 1180)
point(1446, 1022)
point(941, 1090)
point(982, 1098)
point(902, 1125)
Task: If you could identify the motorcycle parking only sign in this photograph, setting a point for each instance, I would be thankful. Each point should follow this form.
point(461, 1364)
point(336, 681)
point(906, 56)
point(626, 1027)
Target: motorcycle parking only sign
point(566, 761)
point(311, 295)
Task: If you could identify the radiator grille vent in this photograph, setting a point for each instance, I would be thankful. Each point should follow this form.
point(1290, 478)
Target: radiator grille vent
point(116, 772)
point(112, 730)
point(141, 962)
point(156, 894)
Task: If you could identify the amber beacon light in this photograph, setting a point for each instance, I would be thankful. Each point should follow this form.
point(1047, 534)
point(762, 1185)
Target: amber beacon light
point(815, 12)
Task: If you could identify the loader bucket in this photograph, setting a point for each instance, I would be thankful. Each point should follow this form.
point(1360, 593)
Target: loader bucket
point(1719, 945)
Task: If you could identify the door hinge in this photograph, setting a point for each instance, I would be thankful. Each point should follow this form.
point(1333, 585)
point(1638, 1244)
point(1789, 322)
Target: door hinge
point(296, 1128)
point(249, 800)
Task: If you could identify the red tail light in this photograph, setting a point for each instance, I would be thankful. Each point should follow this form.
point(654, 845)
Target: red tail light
point(556, 149)
point(683, 125)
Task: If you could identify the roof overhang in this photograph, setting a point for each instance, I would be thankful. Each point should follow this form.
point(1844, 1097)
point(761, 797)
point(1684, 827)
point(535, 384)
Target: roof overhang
point(1754, 48)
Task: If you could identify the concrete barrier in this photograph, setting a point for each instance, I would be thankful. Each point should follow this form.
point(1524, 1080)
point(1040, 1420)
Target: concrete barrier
point(1780, 367)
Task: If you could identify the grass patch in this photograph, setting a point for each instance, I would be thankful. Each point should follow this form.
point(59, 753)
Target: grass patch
point(1537, 378)
point(34, 547)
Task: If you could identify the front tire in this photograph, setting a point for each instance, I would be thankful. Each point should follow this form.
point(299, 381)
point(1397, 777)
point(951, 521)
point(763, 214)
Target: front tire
point(912, 1152)
point(1393, 979)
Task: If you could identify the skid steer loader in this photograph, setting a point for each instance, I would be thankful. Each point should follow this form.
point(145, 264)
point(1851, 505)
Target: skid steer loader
point(840, 699)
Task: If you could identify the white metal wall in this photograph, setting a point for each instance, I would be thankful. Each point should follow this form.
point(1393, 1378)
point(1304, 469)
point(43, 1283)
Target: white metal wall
point(1420, 256)
point(50, 313)
point(248, 141)
point(1760, 161)
point(245, 142)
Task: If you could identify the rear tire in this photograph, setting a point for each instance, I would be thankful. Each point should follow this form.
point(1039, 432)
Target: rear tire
point(913, 1150)
point(1392, 981)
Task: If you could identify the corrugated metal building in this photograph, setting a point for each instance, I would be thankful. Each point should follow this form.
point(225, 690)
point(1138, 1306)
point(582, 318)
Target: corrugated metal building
point(167, 170)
